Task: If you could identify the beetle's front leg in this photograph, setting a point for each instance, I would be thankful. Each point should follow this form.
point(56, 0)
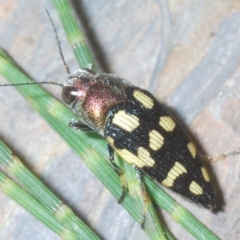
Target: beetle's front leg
point(79, 125)
point(118, 171)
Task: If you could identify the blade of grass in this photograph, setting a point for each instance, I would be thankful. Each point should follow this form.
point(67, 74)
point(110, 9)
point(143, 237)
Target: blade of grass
point(43, 195)
point(34, 207)
point(152, 224)
point(74, 34)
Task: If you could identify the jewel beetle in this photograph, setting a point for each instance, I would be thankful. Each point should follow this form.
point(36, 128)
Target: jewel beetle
point(140, 130)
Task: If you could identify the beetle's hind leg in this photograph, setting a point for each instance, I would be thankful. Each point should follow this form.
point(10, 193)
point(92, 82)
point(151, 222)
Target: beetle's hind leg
point(118, 170)
point(144, 194)
point(221, 156)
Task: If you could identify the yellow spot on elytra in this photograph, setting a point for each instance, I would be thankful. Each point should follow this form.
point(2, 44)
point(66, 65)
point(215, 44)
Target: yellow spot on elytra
point(205, 174)
point(144, 156)
point(192, 149)
point(156, 140)
point(141, 160)
point(167, 123)
point(146, 101)
point(177, 170)
point(127, 122)
point(110, 140)
point(195, 188)
point(130, 157)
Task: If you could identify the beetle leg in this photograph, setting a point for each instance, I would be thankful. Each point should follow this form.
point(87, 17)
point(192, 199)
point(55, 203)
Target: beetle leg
point(118, 171)
point(79, 125)
point(221, 156)
point(144, 193)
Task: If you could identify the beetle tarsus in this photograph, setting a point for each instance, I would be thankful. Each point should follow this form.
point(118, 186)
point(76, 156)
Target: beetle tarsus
point(79, 126)
point(120, 200)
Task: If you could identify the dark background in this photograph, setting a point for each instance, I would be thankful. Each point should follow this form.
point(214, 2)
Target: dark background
point(187, 53)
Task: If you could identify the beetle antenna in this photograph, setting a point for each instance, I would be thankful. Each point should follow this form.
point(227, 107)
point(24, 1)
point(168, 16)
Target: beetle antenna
point(30, 83)
point(58, 42)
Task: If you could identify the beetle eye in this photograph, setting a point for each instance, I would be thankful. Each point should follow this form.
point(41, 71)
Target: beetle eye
point(69, 94)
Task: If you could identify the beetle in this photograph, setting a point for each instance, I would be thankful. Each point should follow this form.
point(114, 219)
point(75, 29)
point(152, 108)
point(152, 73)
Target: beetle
point(140, 130)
